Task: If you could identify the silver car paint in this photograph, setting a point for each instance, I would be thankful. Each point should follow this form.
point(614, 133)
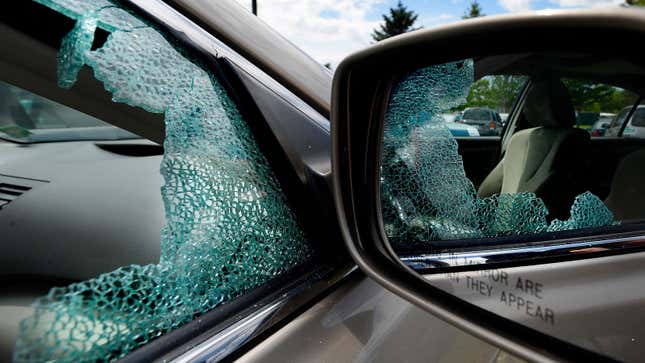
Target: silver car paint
point(362, 322)
point(635, 131)
point(594, 303)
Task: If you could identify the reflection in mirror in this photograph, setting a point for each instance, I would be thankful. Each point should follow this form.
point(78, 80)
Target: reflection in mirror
point(562, 162)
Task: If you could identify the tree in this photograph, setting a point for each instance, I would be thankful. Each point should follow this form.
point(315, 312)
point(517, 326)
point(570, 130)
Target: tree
point(495, 92)
point(499, 92)
point(474, 11)
point(479, 94)
point(587, 96)
point(401, 20)
point(635, 2)
point(504, 90)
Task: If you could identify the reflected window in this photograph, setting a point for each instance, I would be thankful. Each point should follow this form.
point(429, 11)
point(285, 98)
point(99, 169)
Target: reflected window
point(549, 177)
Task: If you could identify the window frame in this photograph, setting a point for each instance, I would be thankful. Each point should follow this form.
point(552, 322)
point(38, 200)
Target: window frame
point(216, 333)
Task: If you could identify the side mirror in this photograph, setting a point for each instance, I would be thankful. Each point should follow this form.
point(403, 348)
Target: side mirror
point(497, 256)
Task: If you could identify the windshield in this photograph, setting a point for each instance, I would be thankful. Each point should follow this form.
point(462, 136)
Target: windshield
point(587, 118)
point(26, 117)
point(477, 114)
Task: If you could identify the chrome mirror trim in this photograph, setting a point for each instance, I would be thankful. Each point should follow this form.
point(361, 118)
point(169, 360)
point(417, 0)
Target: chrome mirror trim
point(515, 253)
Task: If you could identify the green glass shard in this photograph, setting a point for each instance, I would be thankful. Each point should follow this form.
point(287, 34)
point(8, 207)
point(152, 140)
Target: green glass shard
point(587, 211)
point(228, 226)
point(71, 56)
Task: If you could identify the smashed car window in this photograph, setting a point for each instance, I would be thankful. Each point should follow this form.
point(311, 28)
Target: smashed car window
point(425, 193)
point(228, 226)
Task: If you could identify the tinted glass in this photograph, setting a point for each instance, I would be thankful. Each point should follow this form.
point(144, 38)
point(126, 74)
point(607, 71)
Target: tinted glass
point(477, 115)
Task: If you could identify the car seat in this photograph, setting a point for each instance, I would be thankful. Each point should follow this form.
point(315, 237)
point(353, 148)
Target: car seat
point(547, 157)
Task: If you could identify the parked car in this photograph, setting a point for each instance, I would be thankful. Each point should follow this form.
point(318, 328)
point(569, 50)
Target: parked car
point(585, 120)
point(635, 125)
point(487, 121)
point(462, 130)
point(604, 121)
point(504, 118)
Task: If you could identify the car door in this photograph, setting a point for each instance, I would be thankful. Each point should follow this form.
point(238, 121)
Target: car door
point(239, 150)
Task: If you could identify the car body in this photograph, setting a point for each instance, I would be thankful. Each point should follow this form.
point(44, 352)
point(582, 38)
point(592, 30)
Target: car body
point(600, 127)
point(456, 128)
point(635, 125)
point(462, 130)
point(586, 120)
point(504, 117)
point(487, 121)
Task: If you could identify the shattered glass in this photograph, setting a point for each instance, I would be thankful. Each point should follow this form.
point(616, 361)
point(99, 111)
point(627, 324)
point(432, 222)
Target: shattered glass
point(228, 226)
point(425, 193)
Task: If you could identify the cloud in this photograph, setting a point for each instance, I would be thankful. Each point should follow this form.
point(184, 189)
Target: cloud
point(525, 5)
point(516, 5)
point(432, 21)
point(586, 3)
point(328, 30)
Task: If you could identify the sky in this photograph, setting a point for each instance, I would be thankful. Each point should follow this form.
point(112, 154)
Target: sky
point(329, 30)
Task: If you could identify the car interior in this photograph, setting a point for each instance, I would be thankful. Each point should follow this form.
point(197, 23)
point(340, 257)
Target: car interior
point(543, 151)
point(57, 223)
point(545, 157)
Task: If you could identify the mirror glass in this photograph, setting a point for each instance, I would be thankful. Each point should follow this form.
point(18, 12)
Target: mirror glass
point(512, 149)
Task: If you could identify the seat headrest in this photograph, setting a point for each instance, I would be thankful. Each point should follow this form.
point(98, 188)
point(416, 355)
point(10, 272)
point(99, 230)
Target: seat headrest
point(548, 104)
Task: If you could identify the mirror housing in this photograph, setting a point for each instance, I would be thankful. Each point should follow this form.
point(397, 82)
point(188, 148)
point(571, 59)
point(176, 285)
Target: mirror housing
point(359, 98)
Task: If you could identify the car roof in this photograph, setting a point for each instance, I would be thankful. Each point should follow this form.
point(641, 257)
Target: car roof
point(248, 35)
point(630, 107)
